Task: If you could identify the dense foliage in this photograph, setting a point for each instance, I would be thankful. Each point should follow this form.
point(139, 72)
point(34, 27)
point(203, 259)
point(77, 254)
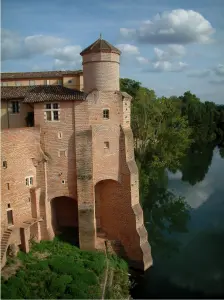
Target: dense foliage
point(170, 134)
point(58, 270)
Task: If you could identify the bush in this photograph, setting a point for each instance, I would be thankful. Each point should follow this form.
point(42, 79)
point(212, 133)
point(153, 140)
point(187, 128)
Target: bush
point(67, 273)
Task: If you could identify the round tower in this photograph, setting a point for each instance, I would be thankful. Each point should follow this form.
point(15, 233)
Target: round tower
point(101, 67)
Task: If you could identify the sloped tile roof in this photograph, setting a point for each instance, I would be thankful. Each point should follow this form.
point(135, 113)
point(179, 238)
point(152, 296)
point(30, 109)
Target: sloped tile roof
point(41, 93)
point(100, 46)
point(45, 74)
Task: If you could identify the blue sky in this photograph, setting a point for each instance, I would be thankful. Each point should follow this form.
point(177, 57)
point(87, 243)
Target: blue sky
point(170, 46)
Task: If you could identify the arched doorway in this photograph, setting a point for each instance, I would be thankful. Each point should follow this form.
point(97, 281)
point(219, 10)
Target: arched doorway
point(64, 218)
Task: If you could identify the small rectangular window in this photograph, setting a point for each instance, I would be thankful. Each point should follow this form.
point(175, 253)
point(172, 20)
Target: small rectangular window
point(4, 164)
point(29, 181)
point(52, 111)
point(70, 81)
point(10, 217)
point(32, 82)
point(106, 113)
point(15, 107)
point(106, 145)
point(59, 82)
point(8, 187)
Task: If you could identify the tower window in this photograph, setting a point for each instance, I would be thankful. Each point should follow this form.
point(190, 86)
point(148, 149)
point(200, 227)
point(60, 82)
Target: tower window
point(106, 114)
point(106, 145)
point(4, 164)
point(29, 181)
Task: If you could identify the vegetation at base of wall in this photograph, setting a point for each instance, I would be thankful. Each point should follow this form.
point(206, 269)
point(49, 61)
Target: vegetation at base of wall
point(120, 287)
point(58, 270)
point(171, 134)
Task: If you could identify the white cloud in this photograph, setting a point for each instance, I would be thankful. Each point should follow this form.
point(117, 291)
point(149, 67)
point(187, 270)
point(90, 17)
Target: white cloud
point(219, 70)
point(38, 44)
point(172, 27)
point(67, 57)
point(142, 60)
point(128, 49)
point(167, 66)
point(172, 52)
point(164, 60)
point(16, 47)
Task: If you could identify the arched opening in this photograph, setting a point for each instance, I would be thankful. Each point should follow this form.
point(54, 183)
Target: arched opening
point(64, 217)
point(108, 199)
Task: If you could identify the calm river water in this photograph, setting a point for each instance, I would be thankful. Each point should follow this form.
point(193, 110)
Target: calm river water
point(197, 270)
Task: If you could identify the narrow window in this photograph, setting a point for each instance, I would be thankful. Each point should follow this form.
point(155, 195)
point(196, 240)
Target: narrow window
point(31, 82)
point(10, 217)
point(106, 145)
point(70, 81)
point(63, 181)
point(52, 111)
point(9, 205)
point(4, 164)
point(60, 135)
point(15, 107)
point(29, 181)
point(106, 113)
point(8, 187)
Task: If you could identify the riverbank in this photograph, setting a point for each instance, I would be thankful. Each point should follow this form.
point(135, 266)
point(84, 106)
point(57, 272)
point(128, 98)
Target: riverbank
point(58, 270)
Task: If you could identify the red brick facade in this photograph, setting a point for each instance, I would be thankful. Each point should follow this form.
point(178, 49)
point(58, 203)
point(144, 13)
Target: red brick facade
point(83, 168)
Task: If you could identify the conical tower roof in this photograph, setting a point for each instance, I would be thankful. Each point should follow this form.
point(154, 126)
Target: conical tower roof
point(100, 45)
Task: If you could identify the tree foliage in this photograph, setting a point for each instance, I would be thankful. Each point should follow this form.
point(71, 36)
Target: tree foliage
point(170, 134)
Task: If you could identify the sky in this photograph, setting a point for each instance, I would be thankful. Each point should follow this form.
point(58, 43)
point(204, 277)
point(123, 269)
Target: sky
point(168, 45)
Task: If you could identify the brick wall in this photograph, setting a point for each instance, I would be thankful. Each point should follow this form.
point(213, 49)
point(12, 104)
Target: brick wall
point(101, 72)
point(118, 212)
point(58, 142)
point(19, 147)
point(85, 190)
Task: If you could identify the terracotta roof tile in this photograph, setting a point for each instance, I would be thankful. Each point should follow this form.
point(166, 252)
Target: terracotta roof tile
point(100, 46)
point(45, 74)
point(41, 93)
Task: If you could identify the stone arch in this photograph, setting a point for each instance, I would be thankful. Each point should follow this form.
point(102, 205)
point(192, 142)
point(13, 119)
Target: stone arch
point(64, 215)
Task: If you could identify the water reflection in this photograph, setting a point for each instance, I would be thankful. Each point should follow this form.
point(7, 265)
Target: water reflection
point(197, 270)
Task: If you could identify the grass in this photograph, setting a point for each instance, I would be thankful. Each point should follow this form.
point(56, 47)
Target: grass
point(57, 270)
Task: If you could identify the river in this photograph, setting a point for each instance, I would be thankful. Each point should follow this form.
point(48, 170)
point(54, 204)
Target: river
point(197, 269)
